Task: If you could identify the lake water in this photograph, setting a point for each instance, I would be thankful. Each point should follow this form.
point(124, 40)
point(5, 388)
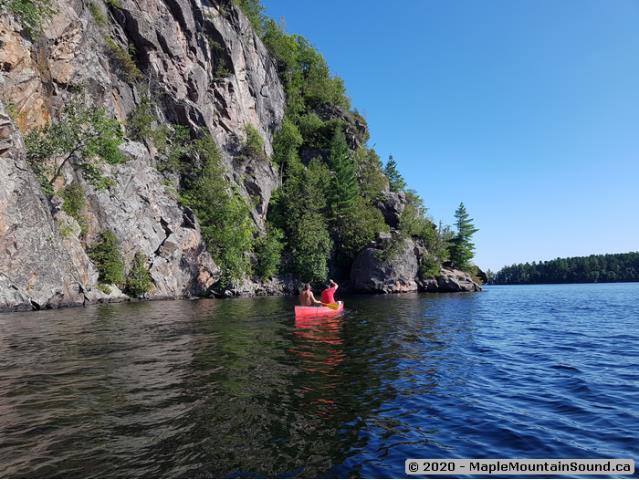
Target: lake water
point(237, 388)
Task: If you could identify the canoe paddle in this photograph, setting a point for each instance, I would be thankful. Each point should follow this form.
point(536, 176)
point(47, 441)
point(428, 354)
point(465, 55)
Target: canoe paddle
point(332, 306)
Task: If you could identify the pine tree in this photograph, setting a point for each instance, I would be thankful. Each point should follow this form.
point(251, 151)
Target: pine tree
point(395, 180)
point(138, 281)
point(108, 259)
point(344, 190)
point(461, 247)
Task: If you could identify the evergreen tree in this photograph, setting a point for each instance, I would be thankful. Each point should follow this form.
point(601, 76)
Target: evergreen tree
point(138, 281)
point(223, 214)
point(108, 259)
point(343, 191)
point(619, 267)
point(395, 180)
point(461, 247)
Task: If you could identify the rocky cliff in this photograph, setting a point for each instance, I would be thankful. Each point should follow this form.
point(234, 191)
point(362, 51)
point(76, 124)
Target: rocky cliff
point(204, 68)
point(43, 266)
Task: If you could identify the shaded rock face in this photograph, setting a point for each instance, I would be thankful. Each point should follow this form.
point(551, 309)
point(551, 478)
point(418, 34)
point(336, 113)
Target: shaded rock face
point(392, 204)
point(201, 63)
point(211, 71)
point(202, 66)
point(146, 218)
point(35, 267)
point(378, 269)
point(44, 265)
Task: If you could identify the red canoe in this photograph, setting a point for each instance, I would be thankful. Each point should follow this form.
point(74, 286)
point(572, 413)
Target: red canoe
point(318, 311)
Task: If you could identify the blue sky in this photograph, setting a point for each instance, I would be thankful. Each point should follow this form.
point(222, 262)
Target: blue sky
point(527, 111)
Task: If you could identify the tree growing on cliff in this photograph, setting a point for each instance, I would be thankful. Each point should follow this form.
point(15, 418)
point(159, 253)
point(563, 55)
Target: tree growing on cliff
point(396, 182)
point(83, 134)
point(461, 247)
point(223, 214)
point(105, 253)
point(268, 250)
point(311, 246)
point(343, 191)
point(138, 280)
point(298, 208)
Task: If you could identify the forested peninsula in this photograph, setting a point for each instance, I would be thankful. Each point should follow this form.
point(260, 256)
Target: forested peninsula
point(617, 267)
point(195, 149)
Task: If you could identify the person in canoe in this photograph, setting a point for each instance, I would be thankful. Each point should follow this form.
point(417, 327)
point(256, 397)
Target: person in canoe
point(328, 294)
point(307, 299)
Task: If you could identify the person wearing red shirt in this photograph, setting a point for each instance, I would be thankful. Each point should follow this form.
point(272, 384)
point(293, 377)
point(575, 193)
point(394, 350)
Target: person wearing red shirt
point(328, 295)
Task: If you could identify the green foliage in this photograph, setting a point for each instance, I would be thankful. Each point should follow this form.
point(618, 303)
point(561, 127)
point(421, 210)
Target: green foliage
point(138, 280)
point(329, 201)
point(12, 110)
point(370, 176)
point(268, 250)
point(311, 247)
point(282, 47)
point(461, 246)
point(302, 69)
point(141, 121)
point(114, 3)
point(253, 11)
point(64, 229)
point(108, 259)
point(223, 214)
point(317, 134)
point(286, 142)
point(83, 134)
point(413, 221)
point(254, 144)
point(97, 14)
point(74, 202)
point(219, 56)
point(618, 267)
point(343, 191)
point(180, 154)
point(356, 229)
point(429, 266)
point(105, 288)
point(298, 208)
point(175, 148)
point(123, 60)
point(395, 180)
point(31, 14)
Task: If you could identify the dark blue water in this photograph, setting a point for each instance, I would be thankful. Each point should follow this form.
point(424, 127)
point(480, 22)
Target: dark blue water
point(238, 388)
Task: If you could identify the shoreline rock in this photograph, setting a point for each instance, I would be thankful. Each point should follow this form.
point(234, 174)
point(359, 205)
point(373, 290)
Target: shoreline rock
point(393, 266)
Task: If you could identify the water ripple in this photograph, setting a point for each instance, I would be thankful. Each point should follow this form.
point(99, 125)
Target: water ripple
point(239, 389)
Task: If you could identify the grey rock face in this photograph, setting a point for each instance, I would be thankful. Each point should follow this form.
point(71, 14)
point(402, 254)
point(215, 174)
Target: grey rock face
point(376, 271)
point(451, 280)
point(146, 218)
point(34, 264)
point(212, 72)
point(12, 299)
point(392, 204)
point(203, 67)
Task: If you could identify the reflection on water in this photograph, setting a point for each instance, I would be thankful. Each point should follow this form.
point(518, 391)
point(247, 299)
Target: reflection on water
point(241, 388)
